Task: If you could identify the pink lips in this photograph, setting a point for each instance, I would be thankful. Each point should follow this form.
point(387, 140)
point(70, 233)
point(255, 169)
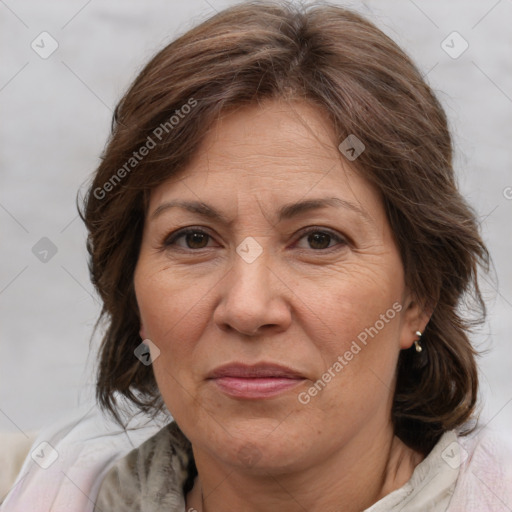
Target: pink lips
point(259, 381)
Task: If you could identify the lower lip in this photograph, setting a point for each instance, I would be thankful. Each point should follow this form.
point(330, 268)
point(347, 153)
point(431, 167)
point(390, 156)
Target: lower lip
point(255, 387)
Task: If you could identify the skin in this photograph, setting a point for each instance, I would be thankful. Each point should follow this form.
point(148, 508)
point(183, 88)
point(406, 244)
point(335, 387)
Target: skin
point(300, 303)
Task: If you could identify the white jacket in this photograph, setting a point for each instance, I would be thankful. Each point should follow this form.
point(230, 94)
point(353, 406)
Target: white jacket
point(88, 464)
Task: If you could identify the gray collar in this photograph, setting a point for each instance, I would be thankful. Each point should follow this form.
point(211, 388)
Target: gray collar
point(157, 475)
point(153, 477)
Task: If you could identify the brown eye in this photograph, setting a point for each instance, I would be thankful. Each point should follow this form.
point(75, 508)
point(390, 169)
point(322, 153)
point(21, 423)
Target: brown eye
point(319, 240)
point(194, 239)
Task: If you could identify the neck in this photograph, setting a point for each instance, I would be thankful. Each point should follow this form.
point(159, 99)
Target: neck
point(351, 480)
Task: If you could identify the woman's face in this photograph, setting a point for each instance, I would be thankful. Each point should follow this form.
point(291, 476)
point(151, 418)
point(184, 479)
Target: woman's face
point(275, 294)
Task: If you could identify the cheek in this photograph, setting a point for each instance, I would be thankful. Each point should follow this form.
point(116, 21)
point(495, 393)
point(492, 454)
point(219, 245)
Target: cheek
point(355, 322)
point(351, 302)
point(167, 302)
point(174, 311)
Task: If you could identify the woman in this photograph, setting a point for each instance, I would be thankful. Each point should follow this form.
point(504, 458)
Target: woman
point(281, 251)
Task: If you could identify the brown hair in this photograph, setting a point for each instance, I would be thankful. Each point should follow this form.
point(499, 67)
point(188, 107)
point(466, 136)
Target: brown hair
point(367, 86)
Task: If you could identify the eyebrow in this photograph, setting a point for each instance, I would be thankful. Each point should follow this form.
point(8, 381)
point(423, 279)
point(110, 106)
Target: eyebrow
point(286, 212)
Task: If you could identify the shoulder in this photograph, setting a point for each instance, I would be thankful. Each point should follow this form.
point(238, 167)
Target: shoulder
point(67, 460)
point(150, 477)
point(485, 475)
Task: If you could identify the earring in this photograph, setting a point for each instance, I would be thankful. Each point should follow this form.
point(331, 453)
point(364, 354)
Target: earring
point(417, 342)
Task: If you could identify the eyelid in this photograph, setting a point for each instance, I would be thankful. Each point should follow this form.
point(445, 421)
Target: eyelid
point(341, 239)
point(321, 229)
point(171, 238)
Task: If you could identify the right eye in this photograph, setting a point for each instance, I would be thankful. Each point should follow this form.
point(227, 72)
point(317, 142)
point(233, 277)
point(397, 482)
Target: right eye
point(194, 239)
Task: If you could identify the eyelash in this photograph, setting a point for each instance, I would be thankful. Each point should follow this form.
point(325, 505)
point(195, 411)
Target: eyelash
point(170, 240)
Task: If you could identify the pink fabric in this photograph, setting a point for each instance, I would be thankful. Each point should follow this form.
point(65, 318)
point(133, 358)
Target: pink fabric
point(486, 475)
point(475, 476)
point(87, 445)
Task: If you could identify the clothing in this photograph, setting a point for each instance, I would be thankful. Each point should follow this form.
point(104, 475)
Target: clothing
point(447, 480)
point(104, 469)
point(86, 444)
point(14, 447)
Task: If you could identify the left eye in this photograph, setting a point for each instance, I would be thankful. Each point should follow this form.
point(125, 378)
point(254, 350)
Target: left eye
point(319, 240)
point(198, 239)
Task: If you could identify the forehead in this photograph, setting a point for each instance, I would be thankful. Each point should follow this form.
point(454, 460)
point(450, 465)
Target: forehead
point(293, 135)
point(276, 151)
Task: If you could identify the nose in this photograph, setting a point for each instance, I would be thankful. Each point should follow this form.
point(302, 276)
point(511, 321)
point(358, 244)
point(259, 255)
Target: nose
point(254, 299)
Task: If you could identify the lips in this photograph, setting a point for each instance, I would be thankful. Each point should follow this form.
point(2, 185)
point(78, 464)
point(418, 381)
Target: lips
point(264, 380)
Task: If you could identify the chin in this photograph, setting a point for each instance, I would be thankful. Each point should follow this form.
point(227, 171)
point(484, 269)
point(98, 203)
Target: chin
point(258, 445)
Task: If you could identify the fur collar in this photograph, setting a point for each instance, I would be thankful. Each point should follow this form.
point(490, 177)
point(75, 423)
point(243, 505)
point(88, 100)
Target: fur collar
point(155, 476)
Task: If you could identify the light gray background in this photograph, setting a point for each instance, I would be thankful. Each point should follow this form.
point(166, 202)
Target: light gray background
point(55, 119)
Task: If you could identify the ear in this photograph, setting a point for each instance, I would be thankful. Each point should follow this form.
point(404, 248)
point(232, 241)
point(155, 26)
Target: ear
point(414, 318)
point(142, 331)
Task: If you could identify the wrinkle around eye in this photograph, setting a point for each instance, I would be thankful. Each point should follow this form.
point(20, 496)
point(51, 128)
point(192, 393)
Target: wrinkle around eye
point(336, 241)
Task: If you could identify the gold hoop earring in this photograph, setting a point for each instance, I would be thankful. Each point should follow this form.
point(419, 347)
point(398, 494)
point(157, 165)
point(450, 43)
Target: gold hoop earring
point(417, 343)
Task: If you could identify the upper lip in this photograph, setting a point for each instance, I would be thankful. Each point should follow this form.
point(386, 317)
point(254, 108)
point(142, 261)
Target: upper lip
point(255, 371)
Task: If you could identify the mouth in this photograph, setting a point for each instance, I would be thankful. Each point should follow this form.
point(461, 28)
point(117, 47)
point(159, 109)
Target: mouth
point(260, 381)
